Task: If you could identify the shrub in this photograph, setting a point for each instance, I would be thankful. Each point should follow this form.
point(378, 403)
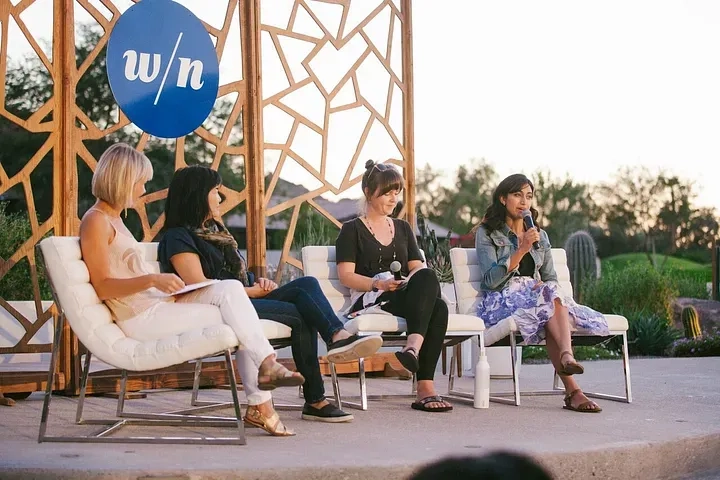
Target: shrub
point(634, 288)
point(17, 283)
point(705, 346)
point(649, 334)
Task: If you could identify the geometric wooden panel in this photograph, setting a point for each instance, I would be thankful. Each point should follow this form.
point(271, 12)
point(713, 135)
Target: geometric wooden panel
point(334, 96)
point(343, 98)
point(69, 117)
point(29, 175)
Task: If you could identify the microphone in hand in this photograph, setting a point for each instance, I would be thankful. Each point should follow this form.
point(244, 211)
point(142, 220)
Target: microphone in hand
point(395, 270)
point(528, 223)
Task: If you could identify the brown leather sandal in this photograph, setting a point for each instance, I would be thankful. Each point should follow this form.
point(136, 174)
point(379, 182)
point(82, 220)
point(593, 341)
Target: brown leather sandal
point(272, 424)
point(570, 368)
point(279, 376)
point(585, 407)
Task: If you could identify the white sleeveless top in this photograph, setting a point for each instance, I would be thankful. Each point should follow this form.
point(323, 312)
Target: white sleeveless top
point(126, 260)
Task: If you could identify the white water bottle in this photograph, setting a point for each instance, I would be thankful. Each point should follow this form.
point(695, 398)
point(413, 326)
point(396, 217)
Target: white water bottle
point(482, 382)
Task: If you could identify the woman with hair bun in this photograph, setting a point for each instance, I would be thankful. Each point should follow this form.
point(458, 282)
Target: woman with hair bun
point(365, 249)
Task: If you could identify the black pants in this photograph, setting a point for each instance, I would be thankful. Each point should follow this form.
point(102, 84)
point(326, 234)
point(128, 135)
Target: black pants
point(426, 314)
point(302, 306)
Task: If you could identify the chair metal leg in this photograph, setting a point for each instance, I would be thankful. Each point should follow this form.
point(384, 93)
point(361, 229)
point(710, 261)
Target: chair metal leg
point(196, 382)
point(111, 425)
point(457, 351)
point(515, 400)
point(558, 389)
point(51, 377)
point(363, 384)
point(236, 401)
point(626, 372)
point(626, 369)
point(335, 385)
point(121, 396)
point(83, 387)
point(198, 406)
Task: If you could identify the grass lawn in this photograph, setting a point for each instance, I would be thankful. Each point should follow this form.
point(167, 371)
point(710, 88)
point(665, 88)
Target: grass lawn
point(623, 260)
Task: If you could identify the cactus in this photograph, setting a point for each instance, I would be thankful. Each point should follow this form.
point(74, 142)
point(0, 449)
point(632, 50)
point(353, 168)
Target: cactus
point(581, 257)
point(691, 322)
point(437, 253)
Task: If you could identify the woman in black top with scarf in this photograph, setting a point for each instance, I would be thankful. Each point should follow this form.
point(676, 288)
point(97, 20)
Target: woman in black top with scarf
point(196, 246)
point(365, 249)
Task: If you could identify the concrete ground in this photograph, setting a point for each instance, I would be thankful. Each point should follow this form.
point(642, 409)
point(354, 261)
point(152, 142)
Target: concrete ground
point(671, 430)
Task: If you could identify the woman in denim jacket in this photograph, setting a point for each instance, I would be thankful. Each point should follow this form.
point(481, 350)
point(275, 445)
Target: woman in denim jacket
point(519, 282)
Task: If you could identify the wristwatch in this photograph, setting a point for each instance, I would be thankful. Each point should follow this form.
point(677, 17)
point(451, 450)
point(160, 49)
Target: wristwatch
point(374, 288)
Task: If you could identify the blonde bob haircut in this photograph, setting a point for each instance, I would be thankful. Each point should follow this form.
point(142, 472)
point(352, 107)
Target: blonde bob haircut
point(120, 168)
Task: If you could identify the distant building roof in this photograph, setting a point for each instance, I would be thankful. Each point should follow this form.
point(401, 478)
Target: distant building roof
point(343, 210)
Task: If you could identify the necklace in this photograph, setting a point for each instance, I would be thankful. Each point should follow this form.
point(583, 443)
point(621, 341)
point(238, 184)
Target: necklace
point(380, 248)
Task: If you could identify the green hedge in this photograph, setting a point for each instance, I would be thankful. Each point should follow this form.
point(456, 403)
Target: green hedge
point(17, 284)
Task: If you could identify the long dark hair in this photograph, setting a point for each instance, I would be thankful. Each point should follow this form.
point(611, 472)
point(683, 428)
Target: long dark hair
point(187, 199)
point(496, 213)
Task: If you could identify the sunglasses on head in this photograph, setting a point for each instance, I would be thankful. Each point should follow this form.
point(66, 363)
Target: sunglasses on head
point(381, 167)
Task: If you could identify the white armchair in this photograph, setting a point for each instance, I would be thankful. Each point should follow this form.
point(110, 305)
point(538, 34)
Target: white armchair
point(92, 322)
point(467, 279)
point(320, 263)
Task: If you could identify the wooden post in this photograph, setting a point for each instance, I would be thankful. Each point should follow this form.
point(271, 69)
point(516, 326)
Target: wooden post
point(65, 185)
point(254, 162)
point(408, 110)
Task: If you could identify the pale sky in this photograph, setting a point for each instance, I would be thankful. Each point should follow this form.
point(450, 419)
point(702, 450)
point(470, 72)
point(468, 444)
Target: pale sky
point(573, 86)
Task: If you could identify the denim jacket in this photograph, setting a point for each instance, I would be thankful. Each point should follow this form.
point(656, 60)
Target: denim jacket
point(494, 252)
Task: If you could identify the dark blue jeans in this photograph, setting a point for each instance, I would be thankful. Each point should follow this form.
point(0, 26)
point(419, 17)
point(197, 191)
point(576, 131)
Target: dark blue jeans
point(302, 306)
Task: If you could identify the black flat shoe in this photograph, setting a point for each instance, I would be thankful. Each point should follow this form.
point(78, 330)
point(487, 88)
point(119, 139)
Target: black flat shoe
point(408, 359)
point(329, 414)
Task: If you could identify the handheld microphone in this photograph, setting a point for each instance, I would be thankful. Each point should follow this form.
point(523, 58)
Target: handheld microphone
point(395, 269)
point(528, 223)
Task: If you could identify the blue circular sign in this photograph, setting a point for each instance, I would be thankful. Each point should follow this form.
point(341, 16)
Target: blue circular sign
point(162, 68)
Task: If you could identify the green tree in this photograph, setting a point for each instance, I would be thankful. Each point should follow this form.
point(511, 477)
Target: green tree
point(461, 204)
point(564, 205)
point(658, 209)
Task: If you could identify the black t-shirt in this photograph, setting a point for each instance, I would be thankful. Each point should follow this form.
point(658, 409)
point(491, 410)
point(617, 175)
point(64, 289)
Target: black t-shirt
point(181, 240)
point(527, 266)
point(356, 244)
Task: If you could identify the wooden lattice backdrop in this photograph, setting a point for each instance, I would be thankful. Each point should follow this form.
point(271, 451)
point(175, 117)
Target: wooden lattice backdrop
point(78, 128)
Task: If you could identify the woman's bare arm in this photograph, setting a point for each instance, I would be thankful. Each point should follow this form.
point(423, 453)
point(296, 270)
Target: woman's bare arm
point(96, 233)
point(188, 267)
point(348, 277)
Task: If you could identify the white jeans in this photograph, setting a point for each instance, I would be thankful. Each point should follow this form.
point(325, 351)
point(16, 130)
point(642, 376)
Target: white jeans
point(200, 308)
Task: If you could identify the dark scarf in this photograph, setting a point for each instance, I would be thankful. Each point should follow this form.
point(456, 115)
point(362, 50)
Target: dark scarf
point(218, 236)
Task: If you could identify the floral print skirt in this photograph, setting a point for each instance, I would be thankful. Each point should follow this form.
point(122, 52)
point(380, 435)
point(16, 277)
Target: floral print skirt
point(531, 304)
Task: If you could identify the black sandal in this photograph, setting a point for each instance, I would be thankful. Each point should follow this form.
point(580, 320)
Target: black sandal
point(408, 360)
point(422, 404)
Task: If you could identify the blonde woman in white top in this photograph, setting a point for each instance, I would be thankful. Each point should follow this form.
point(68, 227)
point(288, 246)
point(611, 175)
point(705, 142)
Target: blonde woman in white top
point(125, 282)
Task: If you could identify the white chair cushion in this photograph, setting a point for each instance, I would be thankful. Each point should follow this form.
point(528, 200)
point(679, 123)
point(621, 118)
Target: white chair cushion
point(617, 325)
point(378, 322)
point(92, 322)
point(275, 330)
